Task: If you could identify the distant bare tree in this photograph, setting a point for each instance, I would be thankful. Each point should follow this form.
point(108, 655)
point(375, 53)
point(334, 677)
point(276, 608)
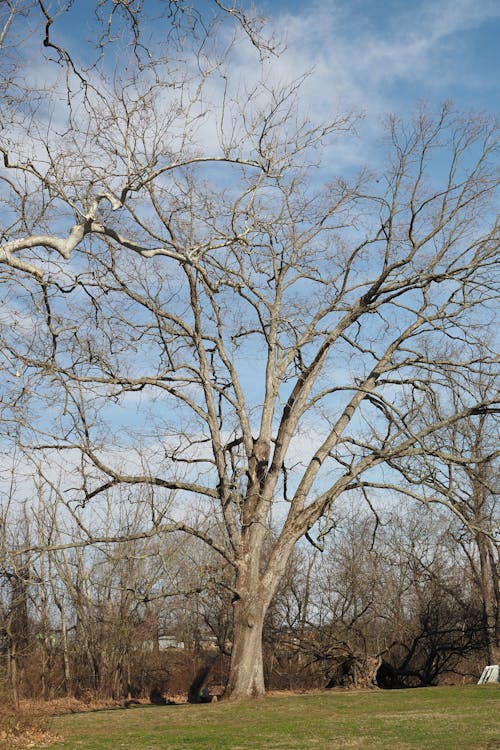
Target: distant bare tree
point(393, 608)
point(460, 472)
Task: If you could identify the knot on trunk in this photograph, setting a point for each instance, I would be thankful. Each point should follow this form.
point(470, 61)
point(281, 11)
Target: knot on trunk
point(259, 460)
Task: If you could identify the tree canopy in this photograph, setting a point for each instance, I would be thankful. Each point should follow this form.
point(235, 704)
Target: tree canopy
point(192, 310)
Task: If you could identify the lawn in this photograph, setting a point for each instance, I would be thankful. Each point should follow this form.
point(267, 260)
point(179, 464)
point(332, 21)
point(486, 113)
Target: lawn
point(467, 718)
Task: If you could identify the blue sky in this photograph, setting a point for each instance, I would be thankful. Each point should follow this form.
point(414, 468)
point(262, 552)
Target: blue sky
point(369, 57)
point(376, 57)
point(382, 56)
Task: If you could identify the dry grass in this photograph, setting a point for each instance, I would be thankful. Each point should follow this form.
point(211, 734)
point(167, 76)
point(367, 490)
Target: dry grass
point(24, 728)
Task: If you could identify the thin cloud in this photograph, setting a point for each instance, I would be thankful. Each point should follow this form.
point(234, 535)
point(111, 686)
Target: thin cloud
point(384, 60)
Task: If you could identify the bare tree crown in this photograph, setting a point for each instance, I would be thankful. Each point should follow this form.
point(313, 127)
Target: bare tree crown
point(164, 240)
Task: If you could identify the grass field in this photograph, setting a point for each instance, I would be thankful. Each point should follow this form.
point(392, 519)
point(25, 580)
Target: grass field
point(448, 718)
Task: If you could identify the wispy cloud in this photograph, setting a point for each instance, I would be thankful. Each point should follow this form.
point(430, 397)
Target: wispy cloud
point(380, 57)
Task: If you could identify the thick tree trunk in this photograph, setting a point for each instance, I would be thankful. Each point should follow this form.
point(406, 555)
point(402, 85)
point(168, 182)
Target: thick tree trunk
point(246, 676)
point(255, 589)
point(489, 594)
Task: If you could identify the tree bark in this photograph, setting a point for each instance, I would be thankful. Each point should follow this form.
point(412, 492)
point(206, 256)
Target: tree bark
point(256, 584)
point(488, 587)
point(65, 653)
point(246, 675)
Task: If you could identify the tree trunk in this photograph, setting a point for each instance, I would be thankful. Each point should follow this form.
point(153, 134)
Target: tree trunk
point(65, 654)
point(246, 675)
point(14, 674)
point(58, 601)
point(489, 597)
point(255, 589)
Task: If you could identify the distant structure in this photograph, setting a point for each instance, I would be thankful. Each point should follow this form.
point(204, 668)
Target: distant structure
point(490, 674)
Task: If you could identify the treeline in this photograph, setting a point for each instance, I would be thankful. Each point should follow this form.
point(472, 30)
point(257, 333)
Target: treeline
point(397, 599)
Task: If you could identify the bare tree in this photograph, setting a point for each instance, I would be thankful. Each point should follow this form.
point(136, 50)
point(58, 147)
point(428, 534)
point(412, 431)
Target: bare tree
point(393, 602)
point(194, 313)
point(461, 473)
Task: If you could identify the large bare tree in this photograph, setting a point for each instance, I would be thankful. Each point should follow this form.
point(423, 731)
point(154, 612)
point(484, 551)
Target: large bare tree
point(191, 306)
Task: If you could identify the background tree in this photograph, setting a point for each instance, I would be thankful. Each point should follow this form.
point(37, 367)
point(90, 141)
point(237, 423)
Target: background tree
point(392, 603)
point(196, 314)
point(461, 472)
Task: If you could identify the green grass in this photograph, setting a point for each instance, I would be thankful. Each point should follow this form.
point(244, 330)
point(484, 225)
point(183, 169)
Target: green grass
point(448, 718)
